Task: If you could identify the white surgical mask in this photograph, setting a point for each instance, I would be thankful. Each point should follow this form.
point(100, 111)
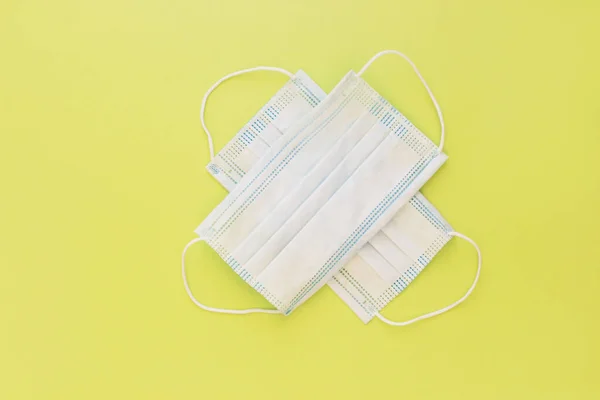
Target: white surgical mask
point(394, 256)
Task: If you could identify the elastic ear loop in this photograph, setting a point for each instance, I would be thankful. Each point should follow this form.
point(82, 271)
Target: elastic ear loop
point(212, 309)
point(217, 83)
point(451, 306)
point(414, 67)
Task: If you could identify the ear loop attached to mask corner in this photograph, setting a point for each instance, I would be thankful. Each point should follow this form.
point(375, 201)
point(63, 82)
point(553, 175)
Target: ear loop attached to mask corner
point(440, 148)
point(223, 79)
point(414, 67)
point(212, 156)
point(451, 306)
point(213, 309)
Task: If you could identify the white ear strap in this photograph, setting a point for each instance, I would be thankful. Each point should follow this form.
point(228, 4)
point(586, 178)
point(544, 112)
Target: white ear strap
point(435, 103)
point(451, 306)
point(217, 83)
point(205, 307)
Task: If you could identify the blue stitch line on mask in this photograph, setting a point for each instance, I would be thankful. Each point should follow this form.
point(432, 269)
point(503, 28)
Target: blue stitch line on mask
point(231, 200)
point(359, 303)
point(269, 112)
point(388, 200)
point(413, 272)
point(267, 165)
point(278, 168)
point(400, 284)
point(312, 99)
point(232, 166)
point(223, 171)
point(214, 169)
point(247, 137)
point(433, 216)
point(344, 273)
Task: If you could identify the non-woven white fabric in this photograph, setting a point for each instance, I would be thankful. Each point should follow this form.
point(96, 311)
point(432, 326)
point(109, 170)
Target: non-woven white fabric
point(320, 193)
point(392, 258)
point(292, 102)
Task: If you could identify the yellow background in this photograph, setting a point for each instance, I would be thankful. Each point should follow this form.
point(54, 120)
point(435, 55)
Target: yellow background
point(102, 182)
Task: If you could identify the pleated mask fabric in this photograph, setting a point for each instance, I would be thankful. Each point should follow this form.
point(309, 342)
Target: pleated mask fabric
point(324, 189)
point(387, 263)
point(320, 193)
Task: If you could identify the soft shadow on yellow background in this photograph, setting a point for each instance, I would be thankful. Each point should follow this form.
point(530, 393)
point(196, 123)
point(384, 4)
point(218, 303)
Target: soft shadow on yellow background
point(102, 182)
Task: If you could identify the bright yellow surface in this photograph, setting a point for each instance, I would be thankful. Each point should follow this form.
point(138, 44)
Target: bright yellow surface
point(102, 176)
